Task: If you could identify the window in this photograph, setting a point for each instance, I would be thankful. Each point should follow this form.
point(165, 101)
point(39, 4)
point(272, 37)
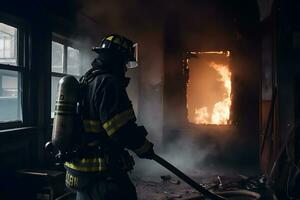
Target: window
point(11, 73)
point(73, 61)
point(8, 44)
point(57, 57)
point(65, 61)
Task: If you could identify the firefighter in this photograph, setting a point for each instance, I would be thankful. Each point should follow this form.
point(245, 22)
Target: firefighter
point(109, 126)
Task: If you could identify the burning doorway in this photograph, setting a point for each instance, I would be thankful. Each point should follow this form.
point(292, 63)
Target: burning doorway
point(208, 88)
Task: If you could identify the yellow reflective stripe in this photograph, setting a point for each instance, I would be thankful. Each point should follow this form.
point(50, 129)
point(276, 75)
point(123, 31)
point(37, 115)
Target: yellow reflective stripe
point(119, 120)
point(144, 148)
point(92, 126)
point(83, 169)
point(110, 38)
point(87, 165)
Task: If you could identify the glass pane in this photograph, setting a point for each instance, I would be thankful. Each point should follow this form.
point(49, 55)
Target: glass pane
point(57, 57)
point(73, 61)
point(10, 96)
point(8, 44)
point(54, 85)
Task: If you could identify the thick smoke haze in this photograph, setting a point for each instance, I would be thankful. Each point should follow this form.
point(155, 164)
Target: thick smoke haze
point(183, 153)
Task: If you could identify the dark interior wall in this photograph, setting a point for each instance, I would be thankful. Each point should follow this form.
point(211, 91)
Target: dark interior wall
point(269, 80)
point(216, 26)
point(288, 61)
point(280, 70)
point(204, 28)
point(287, 80)
point(265, 8)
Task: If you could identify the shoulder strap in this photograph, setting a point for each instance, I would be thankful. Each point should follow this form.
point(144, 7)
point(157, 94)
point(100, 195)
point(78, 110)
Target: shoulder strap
point(90, 75)
point(87, 78)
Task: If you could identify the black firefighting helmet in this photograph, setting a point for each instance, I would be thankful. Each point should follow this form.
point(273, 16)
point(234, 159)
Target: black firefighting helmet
point(121, 44)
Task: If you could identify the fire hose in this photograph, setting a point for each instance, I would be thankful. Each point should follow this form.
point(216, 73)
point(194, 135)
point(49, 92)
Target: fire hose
point(186, 179)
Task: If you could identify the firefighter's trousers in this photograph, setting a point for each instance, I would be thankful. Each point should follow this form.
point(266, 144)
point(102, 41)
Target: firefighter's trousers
point(109, 188)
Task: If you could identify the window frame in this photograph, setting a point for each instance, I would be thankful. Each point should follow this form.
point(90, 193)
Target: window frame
point(66, 43)
point(21, 68)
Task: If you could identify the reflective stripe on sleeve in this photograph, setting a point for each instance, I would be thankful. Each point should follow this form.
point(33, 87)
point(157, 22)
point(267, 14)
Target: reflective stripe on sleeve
point(119, 120)
point(144, 148)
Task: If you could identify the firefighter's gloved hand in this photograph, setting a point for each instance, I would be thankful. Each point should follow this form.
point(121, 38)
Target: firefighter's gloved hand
point(147, 155)
point(145, 151)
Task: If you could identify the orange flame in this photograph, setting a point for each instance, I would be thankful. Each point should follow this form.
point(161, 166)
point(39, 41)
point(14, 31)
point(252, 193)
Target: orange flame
point(221, 111)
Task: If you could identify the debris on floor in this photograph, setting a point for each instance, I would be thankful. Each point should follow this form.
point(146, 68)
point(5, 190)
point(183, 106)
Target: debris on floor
point(169, 179)
point(168, 187)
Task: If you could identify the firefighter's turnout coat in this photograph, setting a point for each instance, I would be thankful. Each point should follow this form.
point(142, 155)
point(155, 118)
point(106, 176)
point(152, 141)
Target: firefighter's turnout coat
point(109, 125)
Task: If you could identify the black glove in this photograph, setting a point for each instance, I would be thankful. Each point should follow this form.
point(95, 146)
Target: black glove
point(145, 151)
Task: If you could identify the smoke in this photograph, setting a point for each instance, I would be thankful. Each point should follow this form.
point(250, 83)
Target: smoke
point(184, 153)
point(86, 54)
point(86, 35)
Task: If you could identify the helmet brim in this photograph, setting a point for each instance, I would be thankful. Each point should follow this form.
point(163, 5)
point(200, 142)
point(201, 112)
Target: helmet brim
point(97, 49)
point(101, 50)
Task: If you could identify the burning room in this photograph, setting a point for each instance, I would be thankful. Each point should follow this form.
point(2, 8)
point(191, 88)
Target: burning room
point(160, 100)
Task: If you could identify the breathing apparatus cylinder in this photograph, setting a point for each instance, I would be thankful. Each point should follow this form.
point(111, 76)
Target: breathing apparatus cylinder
point(66, 129)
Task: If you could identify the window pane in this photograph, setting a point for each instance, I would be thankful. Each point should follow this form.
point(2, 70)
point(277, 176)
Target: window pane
point(8, 44)
point(73, 61)
point(10, 96)
point(54, 84)
point(57, 57)
point(7, 47)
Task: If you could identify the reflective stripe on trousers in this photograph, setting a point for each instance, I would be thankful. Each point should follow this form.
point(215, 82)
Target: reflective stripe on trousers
point(87, 165)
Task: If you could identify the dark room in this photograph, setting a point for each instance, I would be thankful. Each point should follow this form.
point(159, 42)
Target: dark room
point(149, 100)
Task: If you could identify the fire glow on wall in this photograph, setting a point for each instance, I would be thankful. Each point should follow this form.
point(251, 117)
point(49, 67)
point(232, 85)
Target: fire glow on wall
point(209, 88)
